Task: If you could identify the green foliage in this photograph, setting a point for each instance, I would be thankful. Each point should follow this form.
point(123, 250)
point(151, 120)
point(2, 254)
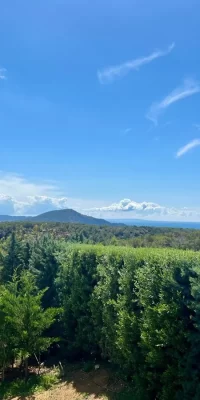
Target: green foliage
point(140, 309)
point(12, 259)
point(21, 388)
point(43, 263)
point(25, 321)
point(88, 366)
point(75, 285)
point(126, 395)
point(7, 343)
point(132, 236)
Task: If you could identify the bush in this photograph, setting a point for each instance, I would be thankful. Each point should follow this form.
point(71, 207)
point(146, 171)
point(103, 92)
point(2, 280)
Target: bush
point(21, 387)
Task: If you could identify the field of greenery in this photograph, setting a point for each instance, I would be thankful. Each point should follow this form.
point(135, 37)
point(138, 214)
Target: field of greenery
point(139, 309)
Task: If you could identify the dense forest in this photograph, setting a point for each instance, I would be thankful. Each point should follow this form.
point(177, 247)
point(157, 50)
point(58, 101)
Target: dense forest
point(133, 236)
point(136, 308)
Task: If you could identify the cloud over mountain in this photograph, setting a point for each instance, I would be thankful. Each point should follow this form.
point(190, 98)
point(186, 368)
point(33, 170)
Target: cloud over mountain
point(30, 205)
point(148, 209)
point(19, 196)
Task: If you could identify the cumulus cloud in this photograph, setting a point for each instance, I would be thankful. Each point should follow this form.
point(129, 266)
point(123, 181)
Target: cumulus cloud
point(189, 88)
point(109, 74)
point(6, 205)
point(129, 205)
point(34, 205)
point(147, 209)
point(18, 196)
point(31, 205)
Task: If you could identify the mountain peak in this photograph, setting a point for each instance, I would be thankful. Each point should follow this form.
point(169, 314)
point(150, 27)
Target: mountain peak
point(65, 215)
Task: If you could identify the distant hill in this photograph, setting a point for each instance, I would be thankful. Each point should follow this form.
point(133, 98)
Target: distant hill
point(67, 215)
point(12, 218)
point(158, 224)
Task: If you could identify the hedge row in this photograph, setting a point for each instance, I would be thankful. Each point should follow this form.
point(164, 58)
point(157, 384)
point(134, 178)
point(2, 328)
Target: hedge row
point(139, 308)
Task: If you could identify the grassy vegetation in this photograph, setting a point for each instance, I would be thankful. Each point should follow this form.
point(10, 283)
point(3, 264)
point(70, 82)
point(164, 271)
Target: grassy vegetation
point(21, 387)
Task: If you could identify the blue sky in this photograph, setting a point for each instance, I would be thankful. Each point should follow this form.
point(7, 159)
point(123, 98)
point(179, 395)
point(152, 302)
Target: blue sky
point(99, 102)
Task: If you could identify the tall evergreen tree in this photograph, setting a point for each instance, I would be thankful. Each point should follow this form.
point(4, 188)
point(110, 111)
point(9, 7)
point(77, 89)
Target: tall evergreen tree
point(21, 304)
point(12, 260)
point(44, 264)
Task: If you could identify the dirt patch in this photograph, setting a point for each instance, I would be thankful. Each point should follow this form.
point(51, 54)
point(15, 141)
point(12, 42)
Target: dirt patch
point(79, 385)
point(99, 381)
point(61, 392)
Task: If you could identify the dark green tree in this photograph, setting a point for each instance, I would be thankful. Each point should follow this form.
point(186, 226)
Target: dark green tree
point(44, 264)
point(12, 260)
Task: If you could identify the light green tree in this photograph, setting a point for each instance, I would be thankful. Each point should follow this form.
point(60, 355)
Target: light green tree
point(7, 348)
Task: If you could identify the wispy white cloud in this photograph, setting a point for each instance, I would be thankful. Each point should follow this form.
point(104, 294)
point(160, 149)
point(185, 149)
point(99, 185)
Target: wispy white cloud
point(109, 74)
point(189, 88)
point(189, 146)
point(12, 184)
point(2, 73)
point(126, 131)
point(146, 210)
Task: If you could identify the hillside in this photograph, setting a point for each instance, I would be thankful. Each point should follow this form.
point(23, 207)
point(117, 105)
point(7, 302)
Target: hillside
point(67, 215)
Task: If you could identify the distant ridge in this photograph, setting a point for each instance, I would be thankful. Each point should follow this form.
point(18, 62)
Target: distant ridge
point(69, 215)
point(12, 218)
point(158, 224)
point(66, 215)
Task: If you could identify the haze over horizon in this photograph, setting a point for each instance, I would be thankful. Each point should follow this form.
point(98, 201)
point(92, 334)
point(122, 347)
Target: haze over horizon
point(99, 108)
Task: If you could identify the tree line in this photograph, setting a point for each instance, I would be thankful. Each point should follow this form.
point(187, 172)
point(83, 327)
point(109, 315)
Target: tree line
point(137, 308)
point(133, 236)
